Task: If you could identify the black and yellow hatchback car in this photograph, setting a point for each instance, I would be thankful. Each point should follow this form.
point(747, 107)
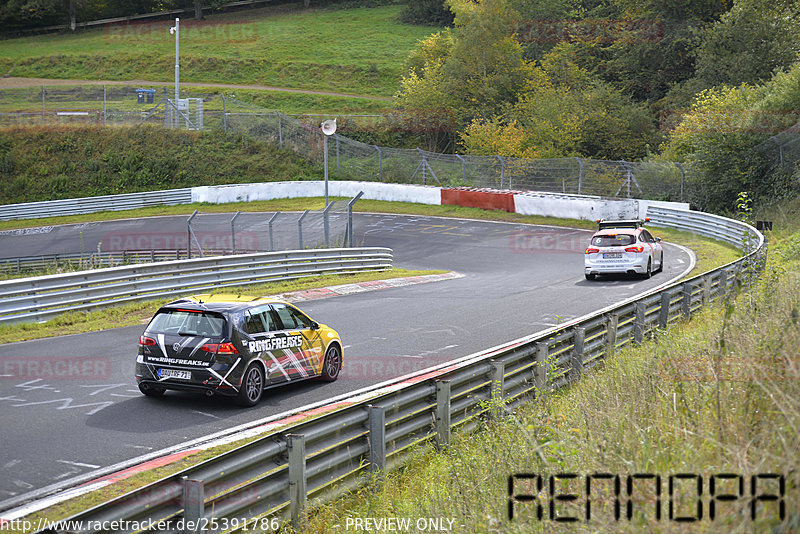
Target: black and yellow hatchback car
point(234, 345)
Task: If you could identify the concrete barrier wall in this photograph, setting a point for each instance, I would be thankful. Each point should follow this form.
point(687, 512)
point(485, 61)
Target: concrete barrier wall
point(527, 203)
point(223, 194)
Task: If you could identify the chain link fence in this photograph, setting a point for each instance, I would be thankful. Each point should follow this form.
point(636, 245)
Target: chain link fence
point(348, 159)
point(242, 232)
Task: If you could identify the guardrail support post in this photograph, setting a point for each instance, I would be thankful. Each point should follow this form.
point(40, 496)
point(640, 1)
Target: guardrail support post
point(443, 414)
point(639, 325)
point(611, 333)
point(542, 368)
point(706, 290)
point(663, 313)
point(296, 445)
point(377, 438)
point(686, 303)
point(498, 385)
point(193, 497)
point(577, 352)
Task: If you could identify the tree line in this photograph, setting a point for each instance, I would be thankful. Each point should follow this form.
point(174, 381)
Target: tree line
point(687, 80)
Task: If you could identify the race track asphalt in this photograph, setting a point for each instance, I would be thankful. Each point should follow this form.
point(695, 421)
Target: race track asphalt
point(518, 280)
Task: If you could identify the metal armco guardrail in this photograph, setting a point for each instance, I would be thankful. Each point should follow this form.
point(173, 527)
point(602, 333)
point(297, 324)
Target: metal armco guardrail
point(41, 298)
point(276, 475)
point(93, 260)
point(75, 206)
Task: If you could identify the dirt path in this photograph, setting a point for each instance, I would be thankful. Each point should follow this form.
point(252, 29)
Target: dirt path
point(11, 82)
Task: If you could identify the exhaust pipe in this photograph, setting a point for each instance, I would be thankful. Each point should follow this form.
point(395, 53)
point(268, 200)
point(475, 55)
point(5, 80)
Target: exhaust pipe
point(209, 393)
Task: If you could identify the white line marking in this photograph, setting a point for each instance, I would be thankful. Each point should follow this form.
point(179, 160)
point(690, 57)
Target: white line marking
point(78, 464)
point(206, 414)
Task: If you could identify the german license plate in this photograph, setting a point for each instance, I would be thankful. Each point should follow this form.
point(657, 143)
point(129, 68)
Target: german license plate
point(175, 373)
point(612, 255)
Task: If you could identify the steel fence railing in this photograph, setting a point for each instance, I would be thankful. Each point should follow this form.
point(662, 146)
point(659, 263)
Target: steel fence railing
point(41, 298)
point(275, 475)
point(75, 206)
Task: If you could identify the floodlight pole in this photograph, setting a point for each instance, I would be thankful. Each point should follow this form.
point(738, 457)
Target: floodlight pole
point(177, 64)
point(325, 151)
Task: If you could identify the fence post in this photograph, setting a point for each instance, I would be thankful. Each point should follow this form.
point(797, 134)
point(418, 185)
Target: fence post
point(104, 104)
point(233, 231)
point(280, 133)
point(338, 167)
point(579, 337)
point(442, 414)
point(326, 224)
point(683, 178)
point(271, 220)
point(300, 230)
point(502, 170)
point(380, 163)
point(542, 366)
point(463, 168)
point(43, 104)
point(189, 235)
point(349, 231)
point(193, 497)
point(639, 322)
point(377, 438)
point(224, 116)
point(686, 303)
point(498, 385)
point(580, 175)
point(296, 447)
point(663, 312)
point(706, 290)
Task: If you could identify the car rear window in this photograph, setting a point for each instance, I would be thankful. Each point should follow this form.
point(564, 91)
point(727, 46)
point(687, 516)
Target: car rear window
point(613, 240)
point(187, 322)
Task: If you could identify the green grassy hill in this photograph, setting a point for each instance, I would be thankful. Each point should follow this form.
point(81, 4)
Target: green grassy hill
point(357, 51)
point(47, 164)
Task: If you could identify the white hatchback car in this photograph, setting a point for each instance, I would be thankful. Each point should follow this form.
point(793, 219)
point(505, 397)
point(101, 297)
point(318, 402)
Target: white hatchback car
point(623, 247)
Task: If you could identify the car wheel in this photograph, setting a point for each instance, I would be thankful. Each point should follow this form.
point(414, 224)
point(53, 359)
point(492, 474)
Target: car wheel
point(151, 391)
point(332, 364)
point(252, 386)
point(649, 271)
point(591, 276)
point(661, 263)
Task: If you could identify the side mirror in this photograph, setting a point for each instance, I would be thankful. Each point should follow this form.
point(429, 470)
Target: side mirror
point(658, 240)
point(314, 325)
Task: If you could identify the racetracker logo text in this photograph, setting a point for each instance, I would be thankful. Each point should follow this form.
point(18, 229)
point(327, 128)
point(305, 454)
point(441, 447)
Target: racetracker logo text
point(55, 368)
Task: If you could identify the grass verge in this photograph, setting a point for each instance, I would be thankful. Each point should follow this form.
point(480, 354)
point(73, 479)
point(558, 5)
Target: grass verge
point(141, 312)
point(717, 394)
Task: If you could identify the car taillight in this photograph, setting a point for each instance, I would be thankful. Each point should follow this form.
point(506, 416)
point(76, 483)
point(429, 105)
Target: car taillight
point(634, 249)
point(591, 250)
point(146, 341)
point(220, 348)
